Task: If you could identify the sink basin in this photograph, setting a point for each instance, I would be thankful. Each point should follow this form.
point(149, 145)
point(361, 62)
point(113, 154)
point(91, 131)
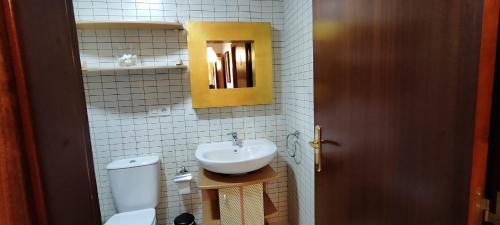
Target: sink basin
point(225, 158)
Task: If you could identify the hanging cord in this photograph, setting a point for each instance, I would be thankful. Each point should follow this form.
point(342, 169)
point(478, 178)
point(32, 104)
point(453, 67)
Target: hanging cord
point(292, 149)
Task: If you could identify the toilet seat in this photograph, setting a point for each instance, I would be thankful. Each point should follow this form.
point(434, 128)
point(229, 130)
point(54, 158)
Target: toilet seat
point(137, 217)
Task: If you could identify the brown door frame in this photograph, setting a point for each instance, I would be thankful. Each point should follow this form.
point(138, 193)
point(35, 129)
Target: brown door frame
point(21, 185)
point(46, 169)
point(486, 72)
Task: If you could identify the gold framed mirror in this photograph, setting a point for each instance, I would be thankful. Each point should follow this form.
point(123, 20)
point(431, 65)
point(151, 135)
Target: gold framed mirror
point(230, 63)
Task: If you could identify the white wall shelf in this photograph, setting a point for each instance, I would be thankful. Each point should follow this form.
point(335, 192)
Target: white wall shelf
point(111, 24)
point(113, 68)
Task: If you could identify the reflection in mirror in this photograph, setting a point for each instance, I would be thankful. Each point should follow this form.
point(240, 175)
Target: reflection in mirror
point(230, 64)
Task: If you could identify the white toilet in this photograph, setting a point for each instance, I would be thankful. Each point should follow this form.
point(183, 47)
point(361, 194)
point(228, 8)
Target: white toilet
point(135, 184)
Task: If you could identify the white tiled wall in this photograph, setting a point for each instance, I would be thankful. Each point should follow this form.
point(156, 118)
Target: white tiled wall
point(119, 102)
point(298, 100)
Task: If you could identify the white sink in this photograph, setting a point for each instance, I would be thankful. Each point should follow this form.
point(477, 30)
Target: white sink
point(226, 158)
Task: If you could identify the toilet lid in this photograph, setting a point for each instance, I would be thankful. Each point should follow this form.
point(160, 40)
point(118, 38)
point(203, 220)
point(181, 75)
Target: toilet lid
point(137, 217)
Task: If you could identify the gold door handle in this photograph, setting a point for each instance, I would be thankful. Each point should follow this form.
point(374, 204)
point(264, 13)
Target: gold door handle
point(316, 145)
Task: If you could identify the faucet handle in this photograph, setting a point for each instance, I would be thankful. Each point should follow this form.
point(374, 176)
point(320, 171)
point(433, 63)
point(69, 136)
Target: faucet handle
point(234, 134)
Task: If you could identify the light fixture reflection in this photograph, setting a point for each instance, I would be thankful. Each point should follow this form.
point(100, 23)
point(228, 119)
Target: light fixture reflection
point(240, 55)
point(211, 56)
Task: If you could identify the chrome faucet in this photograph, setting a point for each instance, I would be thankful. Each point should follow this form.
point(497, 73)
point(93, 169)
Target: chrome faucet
point(234, 136)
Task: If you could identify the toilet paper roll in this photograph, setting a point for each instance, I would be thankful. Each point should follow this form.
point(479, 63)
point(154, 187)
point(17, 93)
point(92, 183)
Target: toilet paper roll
point(183, 183)
point(184, 187)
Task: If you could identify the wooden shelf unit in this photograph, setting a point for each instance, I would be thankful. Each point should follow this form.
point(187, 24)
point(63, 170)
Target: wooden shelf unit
point(210, 207)
point(276, 223)
point(113, 68)
point(269, 208)
point(211, 180)
point(113, 24)
point(210, 183)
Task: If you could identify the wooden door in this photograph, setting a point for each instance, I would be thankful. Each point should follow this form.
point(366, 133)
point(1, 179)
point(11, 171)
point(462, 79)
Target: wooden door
point(395, 85)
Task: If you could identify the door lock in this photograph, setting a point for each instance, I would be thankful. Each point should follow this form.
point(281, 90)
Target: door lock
point(484, 205)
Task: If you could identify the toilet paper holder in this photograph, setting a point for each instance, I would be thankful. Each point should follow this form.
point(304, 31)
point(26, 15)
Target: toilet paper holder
point(183, 180)
point(183, 175)
point(183, 170)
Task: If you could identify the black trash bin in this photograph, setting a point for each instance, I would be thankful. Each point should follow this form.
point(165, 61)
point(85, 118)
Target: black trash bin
point(184, 219)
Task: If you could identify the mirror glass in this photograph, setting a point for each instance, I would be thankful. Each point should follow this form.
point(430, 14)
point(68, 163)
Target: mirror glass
point(230, 64)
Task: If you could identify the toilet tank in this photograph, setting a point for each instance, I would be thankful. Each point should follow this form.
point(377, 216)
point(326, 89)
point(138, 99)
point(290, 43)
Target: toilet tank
point(135, 183)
